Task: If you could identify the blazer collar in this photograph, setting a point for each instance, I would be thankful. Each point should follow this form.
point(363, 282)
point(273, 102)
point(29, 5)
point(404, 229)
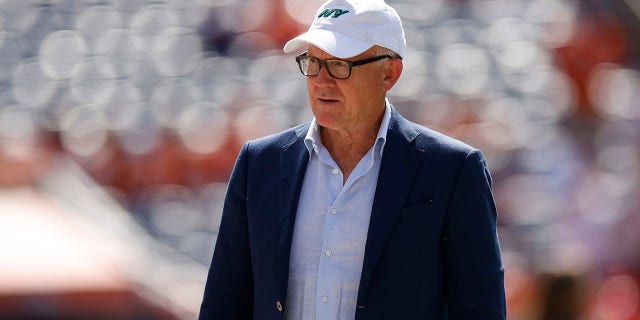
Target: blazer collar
point(400, 162)
point(291, 170)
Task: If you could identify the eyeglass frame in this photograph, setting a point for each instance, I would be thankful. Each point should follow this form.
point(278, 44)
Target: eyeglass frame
point(351, 64)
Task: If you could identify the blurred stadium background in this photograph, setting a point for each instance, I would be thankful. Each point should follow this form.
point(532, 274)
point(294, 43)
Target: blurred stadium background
point(120, 121)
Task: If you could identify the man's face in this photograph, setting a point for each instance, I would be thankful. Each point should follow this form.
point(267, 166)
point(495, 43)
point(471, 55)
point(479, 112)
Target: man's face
point(347, 105)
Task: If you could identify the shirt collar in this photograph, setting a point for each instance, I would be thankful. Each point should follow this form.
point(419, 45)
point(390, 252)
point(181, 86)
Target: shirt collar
point(313, 142)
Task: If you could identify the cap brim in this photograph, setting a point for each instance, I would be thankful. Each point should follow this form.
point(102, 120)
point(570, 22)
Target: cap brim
point(334, 43)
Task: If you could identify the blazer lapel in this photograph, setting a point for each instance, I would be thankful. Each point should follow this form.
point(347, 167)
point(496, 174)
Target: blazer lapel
point(294, 157)
point(400, 161)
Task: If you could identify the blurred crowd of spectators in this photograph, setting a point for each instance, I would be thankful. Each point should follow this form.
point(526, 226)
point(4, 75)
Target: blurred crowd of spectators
point(155, 98)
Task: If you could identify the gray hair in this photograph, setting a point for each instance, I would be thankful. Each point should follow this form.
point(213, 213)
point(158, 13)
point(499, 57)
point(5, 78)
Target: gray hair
point(381, 51)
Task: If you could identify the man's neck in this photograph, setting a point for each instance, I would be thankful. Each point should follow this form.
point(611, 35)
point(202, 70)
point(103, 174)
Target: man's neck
point(347, 148)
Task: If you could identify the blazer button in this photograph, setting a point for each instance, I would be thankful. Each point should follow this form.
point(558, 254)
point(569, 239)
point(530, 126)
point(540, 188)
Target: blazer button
point(279, 306)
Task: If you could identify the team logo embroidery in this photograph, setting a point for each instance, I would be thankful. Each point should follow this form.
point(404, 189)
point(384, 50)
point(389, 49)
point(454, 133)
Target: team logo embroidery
point(334, 13)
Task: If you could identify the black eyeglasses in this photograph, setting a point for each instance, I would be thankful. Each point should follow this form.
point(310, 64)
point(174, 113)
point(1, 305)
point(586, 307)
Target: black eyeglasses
point(338, 69)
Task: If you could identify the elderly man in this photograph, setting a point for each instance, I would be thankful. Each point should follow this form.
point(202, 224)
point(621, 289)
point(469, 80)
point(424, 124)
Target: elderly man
point(359, 214)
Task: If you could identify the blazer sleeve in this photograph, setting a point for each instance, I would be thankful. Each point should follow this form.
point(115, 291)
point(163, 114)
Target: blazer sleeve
point(228, 292)
point(474, 274)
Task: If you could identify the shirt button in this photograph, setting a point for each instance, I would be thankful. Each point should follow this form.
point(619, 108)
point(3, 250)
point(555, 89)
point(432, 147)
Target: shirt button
point(335, 171)
point(279, 306)
point(325, 299)
point(328, 253)
point(334, 210)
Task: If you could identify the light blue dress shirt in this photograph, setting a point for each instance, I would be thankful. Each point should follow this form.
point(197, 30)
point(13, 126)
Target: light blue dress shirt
point(330, 232)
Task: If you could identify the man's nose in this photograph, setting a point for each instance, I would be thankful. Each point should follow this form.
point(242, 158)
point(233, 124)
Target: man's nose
point(323, 78)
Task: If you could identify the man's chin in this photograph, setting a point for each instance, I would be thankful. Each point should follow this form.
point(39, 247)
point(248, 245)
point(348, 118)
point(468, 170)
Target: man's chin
point(325, 120)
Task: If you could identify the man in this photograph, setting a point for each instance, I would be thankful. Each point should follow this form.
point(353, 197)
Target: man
point(359, 214)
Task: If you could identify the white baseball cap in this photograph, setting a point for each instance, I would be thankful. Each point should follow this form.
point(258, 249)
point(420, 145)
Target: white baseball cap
point(347, 28)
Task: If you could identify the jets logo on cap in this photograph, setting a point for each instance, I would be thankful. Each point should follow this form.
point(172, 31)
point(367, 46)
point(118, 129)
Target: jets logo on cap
point(334, 13)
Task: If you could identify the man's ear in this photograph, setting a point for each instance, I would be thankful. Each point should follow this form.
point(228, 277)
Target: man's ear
point(391, 73)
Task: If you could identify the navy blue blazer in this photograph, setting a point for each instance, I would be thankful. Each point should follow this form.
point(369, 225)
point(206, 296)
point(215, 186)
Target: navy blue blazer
point(432, 250)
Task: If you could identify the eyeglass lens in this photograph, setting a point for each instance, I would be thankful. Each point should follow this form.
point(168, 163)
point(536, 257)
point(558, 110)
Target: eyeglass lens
point(337, 68)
